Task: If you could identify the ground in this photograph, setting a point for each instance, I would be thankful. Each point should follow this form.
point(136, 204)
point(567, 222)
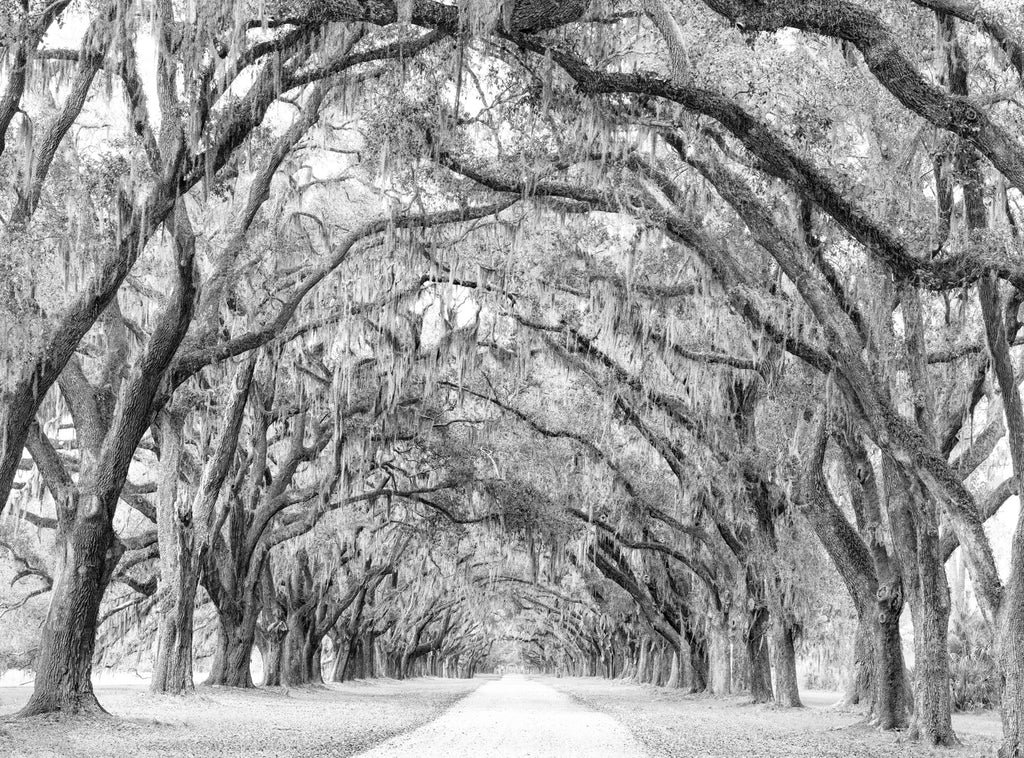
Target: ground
point(491, 717)
point(513, 717)
point(335, 721)
point(672, 723)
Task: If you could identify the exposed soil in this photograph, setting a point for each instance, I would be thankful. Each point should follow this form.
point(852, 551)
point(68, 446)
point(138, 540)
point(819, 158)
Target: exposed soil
point(334, 720)
point(672, 723)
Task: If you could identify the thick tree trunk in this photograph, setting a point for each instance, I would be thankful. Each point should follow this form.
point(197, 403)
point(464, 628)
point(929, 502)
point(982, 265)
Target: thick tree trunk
point(890, 697)
point(272, 651)
point(700, 665)
point(866, 568)
point(879, 681)
point(217, 659)
point(685, 670)
point(354, 669)
point(1011, 658)
point(369, 650)
point(392, 665)
point(933, 705)
point(740, 663)
point(720, 664)
point(787, 689)
point(914, 522)
point(236, 640)
point(172, 671)
point(915, 537)
point(302, 666)
point(932, 721)
point(312, 670)
point(353, 660)
point(342, 649)
point(642, 663)
point(297, 665)
point(658, 667)
point(87, 558)
point(347, 639)
point(860, 686)
point(759, 662)
point(402, 671)
point(270, 633)
point(675, 679)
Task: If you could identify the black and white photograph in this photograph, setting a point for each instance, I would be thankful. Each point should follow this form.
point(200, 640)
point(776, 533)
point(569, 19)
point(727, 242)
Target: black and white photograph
point(511, 378)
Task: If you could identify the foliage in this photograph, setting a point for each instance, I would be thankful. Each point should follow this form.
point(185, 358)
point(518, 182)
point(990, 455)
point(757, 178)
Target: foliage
point(973, 667)
point(545, 335)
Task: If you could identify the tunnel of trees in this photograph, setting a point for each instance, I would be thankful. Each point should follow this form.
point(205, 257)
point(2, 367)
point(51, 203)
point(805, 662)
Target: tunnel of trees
point(663, 339)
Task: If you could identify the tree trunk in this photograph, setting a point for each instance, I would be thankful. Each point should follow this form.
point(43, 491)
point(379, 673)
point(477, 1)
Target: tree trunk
point(87, 558)
point(757, 656)
point(342, 648)
point(295, 668)
point(403, 664)
point(301, 656)
point(787, 690)
point(700, 665)
point(720, 665)
point(17, 411)
point(675, 678)
point(172, 672)
point(890, 696)
point(914, 521)
point(369, 648)
point(273, 663)
point(353, 658)
point(643, 668)
point(271, 646)
point(217, 659)
point(354, 670)
point(657, 666)
point(314, 666)
point(860, 686)
point(236, 639)
point(1011, 658)
point(868, 571)
point(932, 721)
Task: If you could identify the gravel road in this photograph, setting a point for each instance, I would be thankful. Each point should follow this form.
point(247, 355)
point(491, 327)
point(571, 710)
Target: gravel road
point(515, 718)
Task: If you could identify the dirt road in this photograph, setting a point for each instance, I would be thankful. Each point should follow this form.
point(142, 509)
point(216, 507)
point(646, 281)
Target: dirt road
point(513, 717)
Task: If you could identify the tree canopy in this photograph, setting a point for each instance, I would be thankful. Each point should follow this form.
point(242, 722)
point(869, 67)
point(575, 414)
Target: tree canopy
point(604, 337)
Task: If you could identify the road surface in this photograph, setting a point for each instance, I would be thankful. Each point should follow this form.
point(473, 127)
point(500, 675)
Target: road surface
point(514, 717)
